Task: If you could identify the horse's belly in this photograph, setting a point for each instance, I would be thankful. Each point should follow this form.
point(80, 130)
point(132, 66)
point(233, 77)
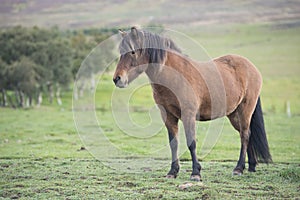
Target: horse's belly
point(206, 116)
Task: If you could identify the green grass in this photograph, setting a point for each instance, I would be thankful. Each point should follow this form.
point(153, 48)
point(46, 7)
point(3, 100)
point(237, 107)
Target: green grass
point(88, 179)
point(42, 156)
point(46, 132)
point(274, 51)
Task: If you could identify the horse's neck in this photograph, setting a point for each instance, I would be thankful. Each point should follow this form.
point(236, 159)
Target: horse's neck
point(165, 74)
point(156, 72)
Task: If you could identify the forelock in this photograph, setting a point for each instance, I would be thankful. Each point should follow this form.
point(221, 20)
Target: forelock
point(146, 40)
point(131, 42)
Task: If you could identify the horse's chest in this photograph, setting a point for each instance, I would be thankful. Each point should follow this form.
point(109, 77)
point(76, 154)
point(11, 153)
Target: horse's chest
point(167, 100)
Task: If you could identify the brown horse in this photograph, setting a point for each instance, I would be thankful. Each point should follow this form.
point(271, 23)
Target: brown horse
point(188, 90)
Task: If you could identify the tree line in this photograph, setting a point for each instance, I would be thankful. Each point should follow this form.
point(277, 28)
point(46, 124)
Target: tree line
point(37, 62)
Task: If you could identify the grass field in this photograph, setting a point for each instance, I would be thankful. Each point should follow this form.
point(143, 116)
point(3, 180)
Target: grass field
point(42, 156)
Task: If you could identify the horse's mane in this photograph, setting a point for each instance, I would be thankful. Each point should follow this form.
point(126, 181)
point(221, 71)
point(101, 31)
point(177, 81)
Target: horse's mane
point(153, 44)
point(157, 46)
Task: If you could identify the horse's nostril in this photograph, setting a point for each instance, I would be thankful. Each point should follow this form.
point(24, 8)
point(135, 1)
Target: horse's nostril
point(117, 79)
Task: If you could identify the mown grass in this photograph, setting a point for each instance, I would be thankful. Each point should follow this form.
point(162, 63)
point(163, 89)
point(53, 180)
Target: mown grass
point(88, 179)
point(38, 133)
point(42, 156)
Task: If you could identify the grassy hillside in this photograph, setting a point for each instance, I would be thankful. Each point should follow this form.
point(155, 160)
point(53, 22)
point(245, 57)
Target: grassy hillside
point(93, 13)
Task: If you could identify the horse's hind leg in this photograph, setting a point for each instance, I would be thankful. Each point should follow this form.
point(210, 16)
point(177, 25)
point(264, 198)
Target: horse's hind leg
point(172, 126)
point(251, 158)
point(190, 133)
point(238, 170)
point(241, 124)
point(240, 120)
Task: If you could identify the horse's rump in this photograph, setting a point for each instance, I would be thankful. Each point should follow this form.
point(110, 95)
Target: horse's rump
point(241, 80)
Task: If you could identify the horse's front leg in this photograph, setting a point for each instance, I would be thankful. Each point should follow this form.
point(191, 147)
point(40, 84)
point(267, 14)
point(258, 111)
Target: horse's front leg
point(172, 126)
point(190, 133)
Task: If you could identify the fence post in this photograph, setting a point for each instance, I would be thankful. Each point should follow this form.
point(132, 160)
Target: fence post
point(288, 109)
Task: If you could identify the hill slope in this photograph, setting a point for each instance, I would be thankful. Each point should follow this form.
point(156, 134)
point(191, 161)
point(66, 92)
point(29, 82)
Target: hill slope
point(93, 13)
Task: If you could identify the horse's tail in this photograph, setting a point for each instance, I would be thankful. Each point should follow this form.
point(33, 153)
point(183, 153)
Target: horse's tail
point(258, 138)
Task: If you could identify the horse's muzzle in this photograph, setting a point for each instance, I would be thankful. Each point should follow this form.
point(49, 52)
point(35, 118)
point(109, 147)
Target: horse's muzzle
point(116, 79)
point(119, 82)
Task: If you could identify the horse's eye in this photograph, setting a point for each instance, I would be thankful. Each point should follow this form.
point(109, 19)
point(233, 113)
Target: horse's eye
point(133, 52)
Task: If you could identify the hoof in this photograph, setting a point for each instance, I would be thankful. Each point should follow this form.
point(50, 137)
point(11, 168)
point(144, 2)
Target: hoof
point(251, 170)
point(196, 178)
point(171, 176)
point(237, 172)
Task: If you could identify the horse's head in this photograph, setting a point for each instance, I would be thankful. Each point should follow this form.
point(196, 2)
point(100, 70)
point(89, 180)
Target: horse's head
point(133, 60)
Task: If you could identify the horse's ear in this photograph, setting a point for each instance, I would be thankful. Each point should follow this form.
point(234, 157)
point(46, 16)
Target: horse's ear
point(134, 31)
point(123, 33)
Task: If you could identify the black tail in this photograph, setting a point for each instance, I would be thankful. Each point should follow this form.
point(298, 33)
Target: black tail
point(258, 138)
